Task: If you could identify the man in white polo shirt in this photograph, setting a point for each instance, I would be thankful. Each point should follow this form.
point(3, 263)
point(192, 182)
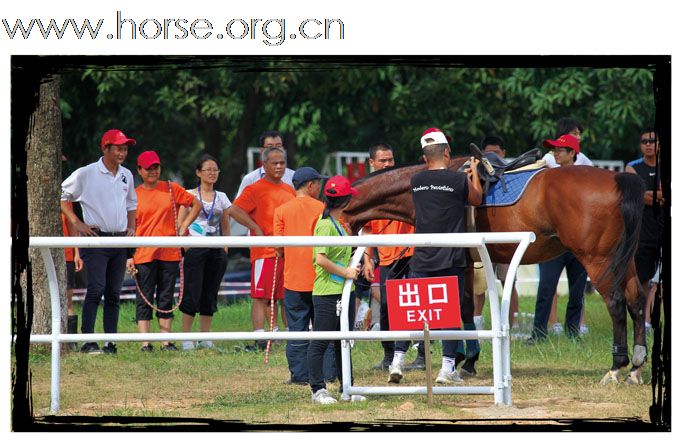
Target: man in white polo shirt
point(269, 139)
point(106, 193)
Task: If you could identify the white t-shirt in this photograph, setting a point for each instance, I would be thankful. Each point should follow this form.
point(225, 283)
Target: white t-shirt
point(105, 199)
point(581, 160)
point(208, 221)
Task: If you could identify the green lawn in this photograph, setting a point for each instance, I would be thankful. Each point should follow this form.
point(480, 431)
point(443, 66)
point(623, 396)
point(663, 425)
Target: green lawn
point(558, 379)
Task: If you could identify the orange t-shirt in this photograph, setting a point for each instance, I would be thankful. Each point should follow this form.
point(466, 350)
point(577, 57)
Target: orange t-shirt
point(69, 252)
point(155, 217)
point(259, 200)
point(388, 254)
point(298, 218)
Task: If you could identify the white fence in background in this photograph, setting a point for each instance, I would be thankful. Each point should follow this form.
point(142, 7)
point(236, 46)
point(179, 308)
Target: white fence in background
point(499, 334)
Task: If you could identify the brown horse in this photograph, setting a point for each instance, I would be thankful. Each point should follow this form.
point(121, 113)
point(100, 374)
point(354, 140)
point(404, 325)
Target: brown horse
point(594, 213)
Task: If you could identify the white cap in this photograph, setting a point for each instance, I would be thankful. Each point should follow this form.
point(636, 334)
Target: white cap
point(433, 136)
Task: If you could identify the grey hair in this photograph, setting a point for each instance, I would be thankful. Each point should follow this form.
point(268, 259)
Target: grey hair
point(266, 153)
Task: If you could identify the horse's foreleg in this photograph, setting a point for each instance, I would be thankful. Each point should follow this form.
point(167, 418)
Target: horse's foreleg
point(636, 305)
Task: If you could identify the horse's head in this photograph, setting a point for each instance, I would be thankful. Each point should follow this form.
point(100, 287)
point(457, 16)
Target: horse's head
point(385, 194)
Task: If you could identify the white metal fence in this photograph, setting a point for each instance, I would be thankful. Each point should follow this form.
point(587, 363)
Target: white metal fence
point(499, 334)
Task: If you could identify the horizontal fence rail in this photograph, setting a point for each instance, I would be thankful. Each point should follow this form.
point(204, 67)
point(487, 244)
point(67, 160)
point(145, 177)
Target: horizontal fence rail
point(499, 334)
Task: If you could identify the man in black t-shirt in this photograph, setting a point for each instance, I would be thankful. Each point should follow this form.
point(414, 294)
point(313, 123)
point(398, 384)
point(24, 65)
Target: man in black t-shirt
point(648, 251)
point(439, 196)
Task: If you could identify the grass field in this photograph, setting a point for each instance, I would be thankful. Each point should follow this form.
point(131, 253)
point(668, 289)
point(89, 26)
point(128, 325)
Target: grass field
point(555, 380)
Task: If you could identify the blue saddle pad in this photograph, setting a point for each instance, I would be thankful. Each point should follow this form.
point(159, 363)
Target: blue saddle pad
point(515, 185)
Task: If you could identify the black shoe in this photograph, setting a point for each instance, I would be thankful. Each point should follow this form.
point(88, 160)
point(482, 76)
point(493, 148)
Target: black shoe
point(295, 382)
point(419, 363)
point(535, 340)
point(262, 344)
point(91, 348)
point(468, 367)
point(109, 348)
point(383, 365)
point(169, 347)
point(147, 348)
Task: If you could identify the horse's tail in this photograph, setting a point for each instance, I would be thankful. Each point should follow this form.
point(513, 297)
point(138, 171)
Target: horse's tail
point(631, 188)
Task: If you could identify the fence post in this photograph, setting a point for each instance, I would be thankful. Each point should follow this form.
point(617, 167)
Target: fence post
point(56, 326)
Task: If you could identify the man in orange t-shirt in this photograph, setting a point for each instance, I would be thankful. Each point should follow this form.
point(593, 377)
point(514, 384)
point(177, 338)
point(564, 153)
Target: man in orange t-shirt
point(393, 260)
point(254, 208)
point(298, 218)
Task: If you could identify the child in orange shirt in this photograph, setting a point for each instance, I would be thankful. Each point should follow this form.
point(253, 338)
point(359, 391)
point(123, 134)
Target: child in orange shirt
point(158, 268)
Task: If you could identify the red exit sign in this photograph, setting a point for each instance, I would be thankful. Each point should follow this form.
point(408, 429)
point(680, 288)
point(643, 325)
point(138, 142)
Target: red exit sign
point(414, 301)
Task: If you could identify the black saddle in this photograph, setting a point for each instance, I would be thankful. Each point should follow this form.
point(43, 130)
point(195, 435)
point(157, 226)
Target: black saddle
point(492, 168)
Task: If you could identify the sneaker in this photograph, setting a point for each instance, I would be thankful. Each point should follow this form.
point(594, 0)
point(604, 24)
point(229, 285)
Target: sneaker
point(448, 378)
point(395, 374)
point(91, 348)
point(557, 328)
point(583, 329)
point(187, 345)
point(204, 344)
point(109, 348)
point(534, 340)
point(419, 363)
point(353, 398)
point(262, 344)
point(384, 364)
point(323, 397)
point(169, 347)
point(147, 348)
point(649, 328)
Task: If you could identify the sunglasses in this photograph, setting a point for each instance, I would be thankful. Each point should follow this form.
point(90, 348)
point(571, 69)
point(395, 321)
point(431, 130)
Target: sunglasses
point(648, 141)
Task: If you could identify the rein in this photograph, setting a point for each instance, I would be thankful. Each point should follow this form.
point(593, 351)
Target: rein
point(274, 286)
point(134, 274)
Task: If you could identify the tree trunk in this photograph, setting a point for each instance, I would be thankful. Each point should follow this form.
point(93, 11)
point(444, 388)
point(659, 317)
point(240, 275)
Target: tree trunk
point(43, 168)
point(237, 162)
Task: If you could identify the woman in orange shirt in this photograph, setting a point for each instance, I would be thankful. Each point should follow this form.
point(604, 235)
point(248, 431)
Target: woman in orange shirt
point(158, 268)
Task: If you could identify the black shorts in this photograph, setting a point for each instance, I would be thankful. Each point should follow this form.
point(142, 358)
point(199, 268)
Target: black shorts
point(647, 257)
point(157, 281)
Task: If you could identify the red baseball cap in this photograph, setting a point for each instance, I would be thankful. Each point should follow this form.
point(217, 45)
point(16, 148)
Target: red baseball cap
point(338, 186)
point(116, 137)
point(566, 140)
point(433, 136)
point(147, 159)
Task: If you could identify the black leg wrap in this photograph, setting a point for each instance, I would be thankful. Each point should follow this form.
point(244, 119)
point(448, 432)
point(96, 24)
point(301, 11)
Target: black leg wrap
point(618, 350)
point(620, 357)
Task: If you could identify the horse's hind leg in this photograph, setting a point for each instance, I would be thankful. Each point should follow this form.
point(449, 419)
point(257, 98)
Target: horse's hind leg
point(616, 304)
point(636, 304)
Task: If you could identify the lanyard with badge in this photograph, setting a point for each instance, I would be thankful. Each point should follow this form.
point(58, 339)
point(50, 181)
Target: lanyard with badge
point(208, 215)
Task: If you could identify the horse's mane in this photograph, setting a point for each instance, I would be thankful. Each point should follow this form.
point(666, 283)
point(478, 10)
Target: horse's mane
point(396, 167)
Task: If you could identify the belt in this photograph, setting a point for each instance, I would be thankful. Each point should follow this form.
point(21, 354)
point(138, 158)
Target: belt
point(100, 233)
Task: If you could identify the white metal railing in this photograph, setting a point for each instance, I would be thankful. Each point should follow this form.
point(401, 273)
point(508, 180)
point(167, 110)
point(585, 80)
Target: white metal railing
point(499, 334)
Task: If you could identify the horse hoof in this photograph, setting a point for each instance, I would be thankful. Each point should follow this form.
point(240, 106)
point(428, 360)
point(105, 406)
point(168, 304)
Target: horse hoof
point(610, 377)
point(634, 378)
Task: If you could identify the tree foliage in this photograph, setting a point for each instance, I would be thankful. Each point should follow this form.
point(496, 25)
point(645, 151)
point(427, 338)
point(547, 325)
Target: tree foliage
point(182, 110)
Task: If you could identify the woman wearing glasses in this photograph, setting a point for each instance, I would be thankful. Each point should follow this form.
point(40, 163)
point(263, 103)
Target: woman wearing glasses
point(205, 267)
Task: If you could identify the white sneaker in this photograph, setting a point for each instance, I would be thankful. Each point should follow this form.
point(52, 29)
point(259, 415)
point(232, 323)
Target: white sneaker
point(583, 329)
point(395, 374)
point(557, 328)
point(323, 397)
point(353, 398)
point(448, 378)
point(204, 344)
point(187, 345)
point(479, 322)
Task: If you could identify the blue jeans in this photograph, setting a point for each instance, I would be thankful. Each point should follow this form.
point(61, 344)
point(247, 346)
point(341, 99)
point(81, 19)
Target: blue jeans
point(105, 270)
point(549, 274)
point(299, 312)
point(449, 347)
